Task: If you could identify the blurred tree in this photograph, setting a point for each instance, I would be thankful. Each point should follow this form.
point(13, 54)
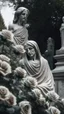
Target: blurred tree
point(2, 25)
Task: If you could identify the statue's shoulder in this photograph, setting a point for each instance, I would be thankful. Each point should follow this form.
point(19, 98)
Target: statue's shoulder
point(14, 27)
point(44, 60)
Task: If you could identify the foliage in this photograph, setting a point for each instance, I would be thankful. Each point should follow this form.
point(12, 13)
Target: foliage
point(21, 88)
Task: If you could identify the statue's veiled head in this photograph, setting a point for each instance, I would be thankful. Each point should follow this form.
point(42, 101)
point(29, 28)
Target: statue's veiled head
point(21, 15)
point(32, 49)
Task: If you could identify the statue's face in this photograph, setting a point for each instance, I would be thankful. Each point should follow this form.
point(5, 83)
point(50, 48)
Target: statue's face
point(30, 51)
point(23, 16)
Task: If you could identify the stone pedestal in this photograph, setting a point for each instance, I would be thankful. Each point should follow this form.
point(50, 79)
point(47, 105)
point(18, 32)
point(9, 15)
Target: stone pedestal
point(58, 72)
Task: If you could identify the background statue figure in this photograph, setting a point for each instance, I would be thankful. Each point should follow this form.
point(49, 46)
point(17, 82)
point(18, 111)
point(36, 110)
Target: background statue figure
point(19, 26)
point(37, 67)
point(49, 53)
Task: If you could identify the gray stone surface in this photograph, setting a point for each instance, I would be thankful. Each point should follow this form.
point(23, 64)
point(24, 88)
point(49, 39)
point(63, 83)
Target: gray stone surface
point(61, 88)
point(58, 72)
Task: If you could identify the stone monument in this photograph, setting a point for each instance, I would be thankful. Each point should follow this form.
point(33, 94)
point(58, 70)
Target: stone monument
point(49, 53)
point(37, 67)
point(19, 26)
point(58, 72)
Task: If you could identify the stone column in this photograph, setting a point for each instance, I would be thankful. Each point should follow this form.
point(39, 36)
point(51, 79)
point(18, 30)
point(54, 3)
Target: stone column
point(58, 72)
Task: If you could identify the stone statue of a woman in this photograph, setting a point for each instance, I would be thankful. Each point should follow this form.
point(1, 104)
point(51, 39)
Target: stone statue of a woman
point(19, 27)
point(37, 67)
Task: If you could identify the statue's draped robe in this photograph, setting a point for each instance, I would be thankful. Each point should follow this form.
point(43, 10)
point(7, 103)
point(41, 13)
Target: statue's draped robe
point(41, 71)
point(20, 35)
